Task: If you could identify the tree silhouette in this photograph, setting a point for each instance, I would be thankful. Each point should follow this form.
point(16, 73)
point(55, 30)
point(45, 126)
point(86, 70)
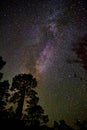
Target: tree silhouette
point(82, 125)
point(23, 87)
point(35, 115)
point(64, 126)
point(4, 86)
point(20, 88)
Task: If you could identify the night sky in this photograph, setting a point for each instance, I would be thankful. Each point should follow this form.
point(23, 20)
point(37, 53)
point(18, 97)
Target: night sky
point(37, 37)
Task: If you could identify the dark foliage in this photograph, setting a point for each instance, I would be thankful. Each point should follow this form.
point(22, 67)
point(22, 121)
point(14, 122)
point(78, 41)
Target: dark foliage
point(82, 125)
point(23, 87)
point(4, 86)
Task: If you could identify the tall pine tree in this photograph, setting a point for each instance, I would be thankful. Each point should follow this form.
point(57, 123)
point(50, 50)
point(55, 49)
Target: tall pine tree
point(23, 86)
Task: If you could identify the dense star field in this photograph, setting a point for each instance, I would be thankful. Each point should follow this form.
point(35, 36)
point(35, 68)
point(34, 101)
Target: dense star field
point(38, 37)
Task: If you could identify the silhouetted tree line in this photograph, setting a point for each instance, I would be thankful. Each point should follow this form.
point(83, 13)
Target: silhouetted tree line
point(19, 105)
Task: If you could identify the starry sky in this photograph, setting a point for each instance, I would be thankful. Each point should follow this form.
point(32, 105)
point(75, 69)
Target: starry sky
point(37, 37)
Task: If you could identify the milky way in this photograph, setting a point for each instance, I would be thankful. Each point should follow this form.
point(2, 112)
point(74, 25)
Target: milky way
point(43, 59)
point(48, 51)
point(37, 38)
